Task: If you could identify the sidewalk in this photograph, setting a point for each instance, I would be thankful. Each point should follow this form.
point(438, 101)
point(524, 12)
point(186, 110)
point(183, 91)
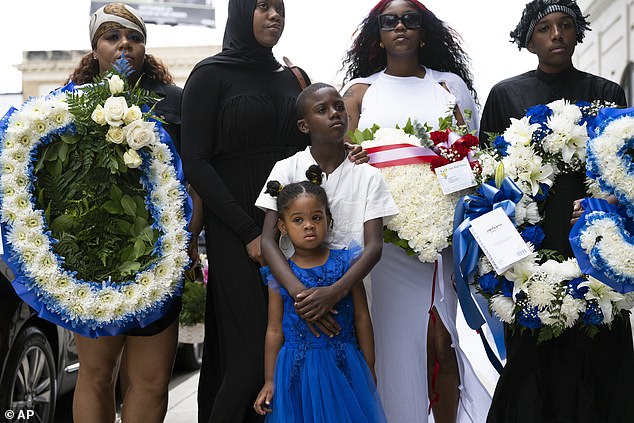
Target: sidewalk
point(182, 407)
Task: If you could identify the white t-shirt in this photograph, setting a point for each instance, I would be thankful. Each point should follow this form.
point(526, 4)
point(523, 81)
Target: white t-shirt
point(356, 194)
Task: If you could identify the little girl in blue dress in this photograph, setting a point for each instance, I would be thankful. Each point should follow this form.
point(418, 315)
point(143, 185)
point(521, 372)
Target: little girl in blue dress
point(312, 378)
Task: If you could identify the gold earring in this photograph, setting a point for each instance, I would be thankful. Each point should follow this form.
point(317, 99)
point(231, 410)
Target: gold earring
point(381, 44)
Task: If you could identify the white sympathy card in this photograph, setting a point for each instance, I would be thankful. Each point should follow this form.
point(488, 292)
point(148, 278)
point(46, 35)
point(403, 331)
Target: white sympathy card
point(501, 242)
point(455, 176)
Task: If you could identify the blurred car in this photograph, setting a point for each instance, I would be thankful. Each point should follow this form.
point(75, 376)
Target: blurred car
point(189, 356)
point(38, 359)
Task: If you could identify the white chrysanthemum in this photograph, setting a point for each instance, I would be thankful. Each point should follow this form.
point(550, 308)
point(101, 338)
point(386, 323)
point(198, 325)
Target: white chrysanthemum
point(35, 109)
point(566, 270)
point(503, 307)
point(60, 117)
point(541, 291)
point(19, 124)
point(566, 109)
point(161, 152)
point(547, 317)
point(181, 259)
point(594, 189)
point(18, 235)
point(571, 308)
point(47, 264)
point(425, 216)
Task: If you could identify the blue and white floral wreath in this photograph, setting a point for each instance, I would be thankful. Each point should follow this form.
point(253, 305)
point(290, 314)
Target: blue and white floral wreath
point(90, 308)
point(601, 239)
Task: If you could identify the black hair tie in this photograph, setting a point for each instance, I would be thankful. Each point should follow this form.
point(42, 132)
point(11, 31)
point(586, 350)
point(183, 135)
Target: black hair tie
point(313, 174)
point(273, 188)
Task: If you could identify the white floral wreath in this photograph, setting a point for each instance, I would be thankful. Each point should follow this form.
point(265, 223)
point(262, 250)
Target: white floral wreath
point(87, 304)
point(407, 158)
point(602, 235)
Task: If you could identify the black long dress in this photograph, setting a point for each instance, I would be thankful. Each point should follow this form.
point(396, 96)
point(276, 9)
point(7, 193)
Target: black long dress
point(236, 123)
point(572, 378)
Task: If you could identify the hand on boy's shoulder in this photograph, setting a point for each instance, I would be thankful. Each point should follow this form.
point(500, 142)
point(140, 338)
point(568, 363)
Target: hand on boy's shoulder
point(356, 153)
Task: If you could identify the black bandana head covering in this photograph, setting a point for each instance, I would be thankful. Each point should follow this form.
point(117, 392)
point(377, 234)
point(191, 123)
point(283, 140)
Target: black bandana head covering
point(239, 46)
point(537, 9)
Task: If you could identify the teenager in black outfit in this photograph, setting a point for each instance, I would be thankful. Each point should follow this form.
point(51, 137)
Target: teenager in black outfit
point(572, 378)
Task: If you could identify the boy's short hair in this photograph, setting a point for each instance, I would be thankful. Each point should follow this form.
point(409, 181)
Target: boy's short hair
point(302, 98)
point(537, 9)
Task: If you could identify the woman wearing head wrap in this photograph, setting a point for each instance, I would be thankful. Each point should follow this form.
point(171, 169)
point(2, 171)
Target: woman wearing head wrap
point(407, 63)
point(239, 118)
point(149, 352)
point(573, 378)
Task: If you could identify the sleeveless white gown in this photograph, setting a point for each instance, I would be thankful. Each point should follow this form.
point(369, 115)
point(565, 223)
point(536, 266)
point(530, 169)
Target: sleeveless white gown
point(401, 286)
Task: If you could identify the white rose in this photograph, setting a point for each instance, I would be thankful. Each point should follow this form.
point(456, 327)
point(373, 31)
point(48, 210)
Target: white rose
point(98, 115)
point(115, 109)
point(115, 83)
point(115, 135)
point(133, 113)
point(132, 159)
point(139, 134)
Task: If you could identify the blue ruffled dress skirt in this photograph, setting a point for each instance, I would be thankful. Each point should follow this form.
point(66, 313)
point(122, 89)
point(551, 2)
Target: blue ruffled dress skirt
point(322, 379)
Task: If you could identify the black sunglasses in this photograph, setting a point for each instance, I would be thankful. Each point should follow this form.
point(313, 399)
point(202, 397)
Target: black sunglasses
point(389, 21)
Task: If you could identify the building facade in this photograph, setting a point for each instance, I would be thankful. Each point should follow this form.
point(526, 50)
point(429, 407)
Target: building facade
point(608, 50)
point(43, 71)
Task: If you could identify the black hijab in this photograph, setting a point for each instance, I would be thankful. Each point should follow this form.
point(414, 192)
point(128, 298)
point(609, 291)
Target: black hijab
point(239, 46)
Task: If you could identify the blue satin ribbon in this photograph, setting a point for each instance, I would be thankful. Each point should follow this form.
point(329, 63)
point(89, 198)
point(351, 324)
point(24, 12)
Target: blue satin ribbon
point(591, 205)
point(21, 283)
point(466, 252)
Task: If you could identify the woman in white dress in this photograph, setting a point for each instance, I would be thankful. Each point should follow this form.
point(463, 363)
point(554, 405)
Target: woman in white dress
point(406, 63)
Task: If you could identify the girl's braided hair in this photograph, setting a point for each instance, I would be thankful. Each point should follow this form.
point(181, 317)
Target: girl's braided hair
point(288, 193)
